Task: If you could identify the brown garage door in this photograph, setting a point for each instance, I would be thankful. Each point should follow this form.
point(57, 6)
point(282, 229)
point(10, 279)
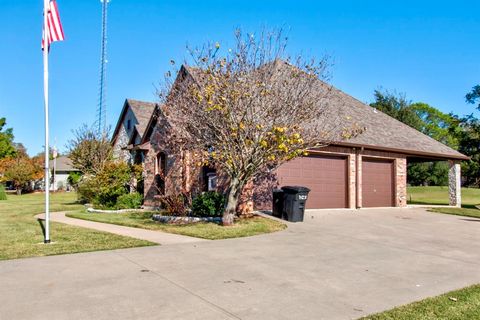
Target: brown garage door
point(325, 176)
point(377, 183)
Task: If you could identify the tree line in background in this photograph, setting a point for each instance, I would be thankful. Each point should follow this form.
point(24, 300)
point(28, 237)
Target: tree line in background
point(16, 167)
point(461, 133)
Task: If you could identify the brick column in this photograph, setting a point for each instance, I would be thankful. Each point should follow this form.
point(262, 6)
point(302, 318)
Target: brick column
point(454, 183)
point(401, 182)
point(352, 172)
point(359, 179)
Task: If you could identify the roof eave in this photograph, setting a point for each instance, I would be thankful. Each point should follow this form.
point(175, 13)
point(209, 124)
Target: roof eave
point(119, 122)
point(150, 122)
point(432, 155)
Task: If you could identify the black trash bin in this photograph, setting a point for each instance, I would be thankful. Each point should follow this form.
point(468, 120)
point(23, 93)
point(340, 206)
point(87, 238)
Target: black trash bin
point(295, 200)
point(277, 205)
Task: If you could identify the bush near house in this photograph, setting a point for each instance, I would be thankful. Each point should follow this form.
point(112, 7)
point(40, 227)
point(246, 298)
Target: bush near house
point(105, 188)
point(176, 204)
point(129, 201)
point(74, 179)
point(208, 204)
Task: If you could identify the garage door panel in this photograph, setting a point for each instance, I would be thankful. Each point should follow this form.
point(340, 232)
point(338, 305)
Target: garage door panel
point(377, 183)
point(326, 176)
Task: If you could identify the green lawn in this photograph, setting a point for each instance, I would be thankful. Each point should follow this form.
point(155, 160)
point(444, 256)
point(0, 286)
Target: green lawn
point(242, 228)
point(456, 305)
point(21, 234)
point(439, 195)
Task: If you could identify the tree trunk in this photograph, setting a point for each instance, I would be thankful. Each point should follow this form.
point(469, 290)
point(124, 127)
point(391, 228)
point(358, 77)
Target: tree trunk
point(233, 195)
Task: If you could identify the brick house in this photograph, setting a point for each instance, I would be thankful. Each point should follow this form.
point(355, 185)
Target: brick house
point(366, 171)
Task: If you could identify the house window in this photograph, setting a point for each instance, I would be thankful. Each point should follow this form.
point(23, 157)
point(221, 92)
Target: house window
point(211, 181)
point(129, 124)
point(160, 172)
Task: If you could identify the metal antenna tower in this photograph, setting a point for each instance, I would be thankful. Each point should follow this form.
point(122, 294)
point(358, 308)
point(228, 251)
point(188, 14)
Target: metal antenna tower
point(101, 122)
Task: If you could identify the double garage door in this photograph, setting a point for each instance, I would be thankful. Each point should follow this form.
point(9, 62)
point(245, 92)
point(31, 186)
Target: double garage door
point(327, 178)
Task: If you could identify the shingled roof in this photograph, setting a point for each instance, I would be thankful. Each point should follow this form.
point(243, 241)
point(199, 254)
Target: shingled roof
point(143, 112)
point(63, 163)
point(382, 132)
point(387, 133)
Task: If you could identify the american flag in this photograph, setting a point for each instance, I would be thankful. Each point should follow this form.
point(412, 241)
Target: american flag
point(54, 26)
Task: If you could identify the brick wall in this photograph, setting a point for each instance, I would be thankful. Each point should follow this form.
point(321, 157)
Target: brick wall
point(176, 173)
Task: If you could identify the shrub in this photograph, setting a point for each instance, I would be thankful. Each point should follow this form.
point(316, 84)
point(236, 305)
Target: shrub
point(86, 189)
point(3, 194)
point(176, 204)
point(129, 201)
point(111, 182)
point(74, 178)
point(208, 204)
point(103, 189)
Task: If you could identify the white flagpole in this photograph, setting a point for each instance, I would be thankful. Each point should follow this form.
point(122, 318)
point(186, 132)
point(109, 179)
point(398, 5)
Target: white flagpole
point(54, 156)
point(45, 92)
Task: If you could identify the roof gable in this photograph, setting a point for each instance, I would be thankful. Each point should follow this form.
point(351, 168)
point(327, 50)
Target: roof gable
point(142, 112)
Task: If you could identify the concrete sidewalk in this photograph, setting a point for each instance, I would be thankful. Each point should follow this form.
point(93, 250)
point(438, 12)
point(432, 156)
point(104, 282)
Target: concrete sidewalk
point(142, 234)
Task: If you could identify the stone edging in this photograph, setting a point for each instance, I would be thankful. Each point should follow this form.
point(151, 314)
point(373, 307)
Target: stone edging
point(91, 210)
point(183, 220)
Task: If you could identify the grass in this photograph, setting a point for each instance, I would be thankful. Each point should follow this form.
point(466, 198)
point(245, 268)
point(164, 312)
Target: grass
point(439, 195)
point(21, 233)
point(242, 228)
point(465, 212)
point(455, 305)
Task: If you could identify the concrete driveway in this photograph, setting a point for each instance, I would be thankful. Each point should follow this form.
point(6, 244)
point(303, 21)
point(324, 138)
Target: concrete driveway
point(336, 265)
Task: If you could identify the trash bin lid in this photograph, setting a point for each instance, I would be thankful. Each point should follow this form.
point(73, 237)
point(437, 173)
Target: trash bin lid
point(295, 189)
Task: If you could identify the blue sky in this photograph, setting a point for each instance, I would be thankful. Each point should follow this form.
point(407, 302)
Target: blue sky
point(428, 50)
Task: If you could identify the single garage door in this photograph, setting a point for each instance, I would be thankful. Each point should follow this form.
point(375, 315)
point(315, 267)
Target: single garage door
point(377, 183)
point(326, 176)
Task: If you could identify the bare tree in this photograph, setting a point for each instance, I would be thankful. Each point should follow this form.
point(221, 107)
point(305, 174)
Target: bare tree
point(89, 151)
point(249, 109)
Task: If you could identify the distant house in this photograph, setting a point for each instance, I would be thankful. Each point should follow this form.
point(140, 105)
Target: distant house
point(61, 168)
